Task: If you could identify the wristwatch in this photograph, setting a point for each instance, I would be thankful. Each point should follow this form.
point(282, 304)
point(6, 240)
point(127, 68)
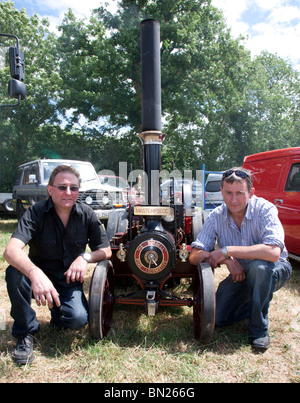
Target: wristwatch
point(224, 251)
point(86, 256)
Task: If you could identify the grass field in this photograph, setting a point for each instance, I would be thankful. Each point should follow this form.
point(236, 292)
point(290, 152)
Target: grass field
point(142, 349)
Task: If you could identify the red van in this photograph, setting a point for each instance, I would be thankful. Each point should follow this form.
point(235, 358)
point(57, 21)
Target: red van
point(276, 177)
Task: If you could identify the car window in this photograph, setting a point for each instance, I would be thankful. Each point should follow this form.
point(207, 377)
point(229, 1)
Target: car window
point(31, 174)
point(114, 181)
point(293, 181)
point(19, 177)
point(47, 170)
point(213, 186)
point(86, 171)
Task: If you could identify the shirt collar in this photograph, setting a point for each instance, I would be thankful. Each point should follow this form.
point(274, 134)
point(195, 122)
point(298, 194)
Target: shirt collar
point(250, 209)
point(49, 205)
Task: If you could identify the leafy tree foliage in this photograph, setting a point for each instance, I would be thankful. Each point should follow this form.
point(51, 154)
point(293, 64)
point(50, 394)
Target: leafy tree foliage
point(20, 127)
point(201, 73)
point(84, 92)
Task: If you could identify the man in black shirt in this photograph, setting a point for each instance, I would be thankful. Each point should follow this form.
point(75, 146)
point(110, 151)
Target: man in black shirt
point(57, 231)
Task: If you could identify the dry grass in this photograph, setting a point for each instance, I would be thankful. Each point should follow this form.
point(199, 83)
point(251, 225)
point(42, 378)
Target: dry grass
point(142, 349)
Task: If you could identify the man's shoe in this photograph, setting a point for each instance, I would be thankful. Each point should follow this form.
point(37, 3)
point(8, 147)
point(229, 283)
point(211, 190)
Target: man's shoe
point(261, 344)
point(23, 353)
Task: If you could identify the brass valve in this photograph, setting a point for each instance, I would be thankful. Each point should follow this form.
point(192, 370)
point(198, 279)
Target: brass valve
point(121, 254)
point(183, 254)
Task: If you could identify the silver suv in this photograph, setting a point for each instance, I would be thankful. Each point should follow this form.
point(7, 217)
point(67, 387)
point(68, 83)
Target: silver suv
point(33, 177)
point(213, 195)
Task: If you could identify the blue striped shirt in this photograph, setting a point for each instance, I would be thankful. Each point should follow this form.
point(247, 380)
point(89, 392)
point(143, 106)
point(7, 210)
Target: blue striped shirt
point(260, 225)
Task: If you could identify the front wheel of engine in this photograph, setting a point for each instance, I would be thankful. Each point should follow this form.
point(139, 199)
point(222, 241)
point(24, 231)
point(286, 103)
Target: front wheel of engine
point(204, 303)
point(101, 300)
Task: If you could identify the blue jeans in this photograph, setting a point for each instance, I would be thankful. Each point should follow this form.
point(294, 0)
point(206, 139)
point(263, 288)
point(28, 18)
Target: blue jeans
point(72, 314)
point(251, 298)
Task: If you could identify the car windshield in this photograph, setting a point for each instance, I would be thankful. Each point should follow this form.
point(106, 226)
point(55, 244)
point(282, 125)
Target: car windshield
point(86, 171)
point(196, 185)
point(213, 186)
point(114, 181)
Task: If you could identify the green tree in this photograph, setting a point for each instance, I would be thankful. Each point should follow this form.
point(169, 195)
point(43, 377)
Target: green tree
point(201, 74)
point(218, 104)
point(20, 126)
point(99, 83)
point(265, 116)
point(275, 91)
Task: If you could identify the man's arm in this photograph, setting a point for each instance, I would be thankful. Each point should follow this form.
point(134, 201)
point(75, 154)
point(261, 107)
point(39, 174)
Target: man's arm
point(42, 288)
point(15, 255)
point(270, 253)
point(101, 254)
point(78, 268)
point(198, 255)
point(235, 268)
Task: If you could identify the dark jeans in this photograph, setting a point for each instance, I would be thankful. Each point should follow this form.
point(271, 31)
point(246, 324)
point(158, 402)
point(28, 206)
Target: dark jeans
point(72, 314)
point(251, 298)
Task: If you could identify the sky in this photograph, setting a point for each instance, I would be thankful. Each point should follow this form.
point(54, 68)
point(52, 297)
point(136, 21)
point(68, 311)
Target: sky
point(272, 25)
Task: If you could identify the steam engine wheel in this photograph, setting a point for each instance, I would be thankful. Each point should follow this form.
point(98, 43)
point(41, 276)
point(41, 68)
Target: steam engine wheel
point(101, 300)
point(204, 304)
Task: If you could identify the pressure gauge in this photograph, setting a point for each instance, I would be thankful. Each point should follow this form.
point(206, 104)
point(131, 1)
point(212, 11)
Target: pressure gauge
point(169, 217)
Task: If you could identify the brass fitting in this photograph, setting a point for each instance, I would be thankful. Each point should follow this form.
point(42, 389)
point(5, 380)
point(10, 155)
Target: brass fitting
point(121, 254)
point(184, 253)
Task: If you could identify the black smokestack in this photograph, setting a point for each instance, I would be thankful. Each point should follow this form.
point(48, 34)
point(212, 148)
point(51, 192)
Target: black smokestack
point(151, 135)
point(151, 81)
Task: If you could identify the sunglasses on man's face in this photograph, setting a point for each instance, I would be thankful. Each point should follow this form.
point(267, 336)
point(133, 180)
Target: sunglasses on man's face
point(239, 173)
point(63, 188)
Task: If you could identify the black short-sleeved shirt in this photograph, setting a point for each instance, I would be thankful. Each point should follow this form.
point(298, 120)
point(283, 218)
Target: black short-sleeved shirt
point(52, 247)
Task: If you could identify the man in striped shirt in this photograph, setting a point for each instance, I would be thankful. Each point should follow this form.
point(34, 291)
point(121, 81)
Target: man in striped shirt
point(251, 243)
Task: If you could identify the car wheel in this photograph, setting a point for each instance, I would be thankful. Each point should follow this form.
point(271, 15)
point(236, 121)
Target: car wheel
point(8, 205)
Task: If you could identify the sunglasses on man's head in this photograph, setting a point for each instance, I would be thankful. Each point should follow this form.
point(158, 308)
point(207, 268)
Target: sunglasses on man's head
point(238, 172)
point(63, 188)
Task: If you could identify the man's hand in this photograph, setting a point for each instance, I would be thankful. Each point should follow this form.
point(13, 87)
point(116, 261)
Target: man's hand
point(216, 258)
point(236, 270)
point(43, 289)
point(77, 270)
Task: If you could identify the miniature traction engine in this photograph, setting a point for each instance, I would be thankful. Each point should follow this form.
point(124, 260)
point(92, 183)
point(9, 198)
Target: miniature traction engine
point(151, 242)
